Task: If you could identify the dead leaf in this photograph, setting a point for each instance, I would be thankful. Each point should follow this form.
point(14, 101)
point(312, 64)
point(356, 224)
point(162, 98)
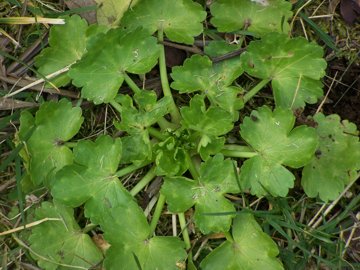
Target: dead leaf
point(350, 10)
point(90, 16)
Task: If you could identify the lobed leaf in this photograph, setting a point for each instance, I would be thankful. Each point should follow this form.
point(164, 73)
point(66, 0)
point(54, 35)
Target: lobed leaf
point(66, 246)
point(272, 136)
point(294, 66)
point(110, 12)
point(180, 20)
point(216, 178)
point(257, 16)
point(101, 70)
point(250, 249)
point(46, 149)
point(336, 160)
point(67, 45)
point(199, 74)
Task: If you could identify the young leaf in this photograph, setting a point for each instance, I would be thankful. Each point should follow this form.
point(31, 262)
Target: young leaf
point(208, 123)
point(199, 74)
point(258, 17)
point(45, 147)
point(142, 150)
point(180, 20)
point(336, 160)
point(207, 193)
point(250, 249)
point(60, 244)
point(272, 136)
point(100, 72)
point(294, 66)
point(67, 45)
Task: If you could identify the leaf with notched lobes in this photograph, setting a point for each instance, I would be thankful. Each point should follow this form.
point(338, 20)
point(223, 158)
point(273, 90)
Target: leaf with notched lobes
point(207, 193)
point(64, 243)
point(336, 160)
point(67, 45)
point(181, 20)
point(257, 16)
point(294, 66)
point(250, 249)
point(100, 72)
point(272, 136)
point(47, 152)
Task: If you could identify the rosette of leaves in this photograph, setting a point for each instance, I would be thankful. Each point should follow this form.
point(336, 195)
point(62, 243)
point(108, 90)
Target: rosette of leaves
point(58, 243)
point(271, 135)
point(67, 45)
point(213, 213)
point(180, 20)
point(208, 123)
point(135, 122)
point(294, 67)
point(199, 74)
point(46, 151)
point(102, 70)
point(250, 248)
point(259, 17)
point(91, 181)
point(336, 159)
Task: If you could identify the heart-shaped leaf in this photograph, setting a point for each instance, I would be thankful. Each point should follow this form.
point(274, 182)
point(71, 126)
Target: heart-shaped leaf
point(295, 67)
point(336, 160)
point(257, 16)
point(180, 20)
point(101, 70)
point(272, 136)
point(66, 246)
point(217, 177)
point(46, 147)
point(250, 249)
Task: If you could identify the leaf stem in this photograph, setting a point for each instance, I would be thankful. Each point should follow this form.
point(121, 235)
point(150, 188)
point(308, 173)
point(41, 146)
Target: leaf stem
point(174, 112)
point(255, 89)
point(156, 133)
point(192, 168)
point(143, 182)
point(228, 237)
point(89, 227)
point(130, 169)
point(165, 124)
point(131, 83)
point(240, 151)
point(116, 106)
point(157, 214)
point(184, 230)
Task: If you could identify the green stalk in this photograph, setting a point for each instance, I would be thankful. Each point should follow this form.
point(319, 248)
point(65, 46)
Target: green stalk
point(174, 112)
point(184, 230)
point(116, 106)
point(228, 237)
point(256, 89)
point(165, 124)
point(131, 83)
point(192, 168)
point(233, 150)
point(71, 144)
point(89, 227)
point(129, 169)
point(156, 133)
point(157, 214)
point(143, 182)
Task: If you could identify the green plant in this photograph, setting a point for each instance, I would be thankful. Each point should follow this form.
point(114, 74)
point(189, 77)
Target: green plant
point(187, 145)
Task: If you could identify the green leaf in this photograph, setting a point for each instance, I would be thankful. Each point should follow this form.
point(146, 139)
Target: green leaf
point(100, 72)
point(336, 160)
point(207, 193)
point(180, 20)
point(272, 136)
point(199, 74)
point(295, 67)
point(149, 253)
point(150, 111)
point(258, 16)
point(110, 12)
point(66, 246)
point(46, 148)
point(67, 45)
point(250, 249)
point(138, 154)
